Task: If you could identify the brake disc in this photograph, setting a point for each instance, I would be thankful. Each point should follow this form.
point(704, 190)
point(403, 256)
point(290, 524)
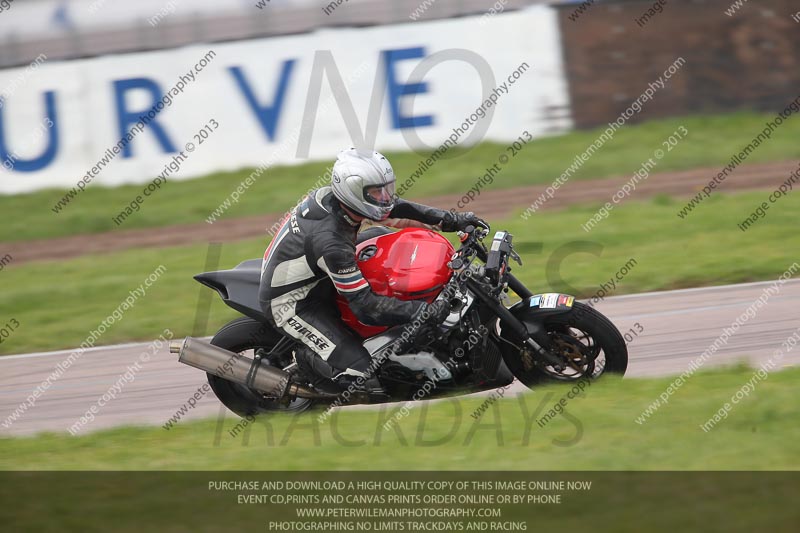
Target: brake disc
point(575, 354)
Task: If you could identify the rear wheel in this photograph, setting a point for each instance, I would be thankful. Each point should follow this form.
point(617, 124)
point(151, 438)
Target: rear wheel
point(246, 336)
point(584, 339)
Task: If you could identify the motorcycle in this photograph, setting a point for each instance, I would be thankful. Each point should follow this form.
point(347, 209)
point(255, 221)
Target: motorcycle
point(483, 344)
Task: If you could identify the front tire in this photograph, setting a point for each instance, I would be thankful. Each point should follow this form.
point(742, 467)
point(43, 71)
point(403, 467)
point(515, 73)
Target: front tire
point(583, 337)
point(247, 335)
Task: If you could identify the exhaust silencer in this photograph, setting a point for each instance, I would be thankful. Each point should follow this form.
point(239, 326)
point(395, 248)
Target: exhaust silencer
point(241, 369)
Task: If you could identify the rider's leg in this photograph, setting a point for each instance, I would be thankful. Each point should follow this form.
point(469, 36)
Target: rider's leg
point(315, 321)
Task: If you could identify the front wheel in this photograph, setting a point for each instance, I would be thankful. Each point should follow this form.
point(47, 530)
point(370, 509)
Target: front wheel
point(583, 338)
point(245, 335)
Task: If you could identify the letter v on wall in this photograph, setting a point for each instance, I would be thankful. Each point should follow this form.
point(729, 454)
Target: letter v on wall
point(267, 115)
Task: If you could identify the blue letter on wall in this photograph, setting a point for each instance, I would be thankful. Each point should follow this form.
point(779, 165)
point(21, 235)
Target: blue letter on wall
point(398, 90)
point(126, 118)
point(267, 115)
point(9, 159)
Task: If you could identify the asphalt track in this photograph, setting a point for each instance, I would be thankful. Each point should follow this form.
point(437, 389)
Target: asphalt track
point(677, 327)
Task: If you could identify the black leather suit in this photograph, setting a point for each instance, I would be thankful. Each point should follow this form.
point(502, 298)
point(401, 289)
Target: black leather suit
point(310, 258)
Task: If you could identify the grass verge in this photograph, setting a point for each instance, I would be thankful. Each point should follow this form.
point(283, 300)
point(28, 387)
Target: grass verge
point(711, 142)
point(57, 311)
point(598, 432)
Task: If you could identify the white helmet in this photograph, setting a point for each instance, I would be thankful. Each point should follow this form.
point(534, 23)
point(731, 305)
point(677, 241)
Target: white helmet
point(364, 183)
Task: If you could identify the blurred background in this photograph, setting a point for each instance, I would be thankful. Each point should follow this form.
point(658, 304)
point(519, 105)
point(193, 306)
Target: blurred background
point(90, 65)
point(169, 136)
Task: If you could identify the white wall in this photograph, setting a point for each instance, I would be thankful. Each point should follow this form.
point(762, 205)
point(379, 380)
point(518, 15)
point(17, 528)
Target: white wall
point(86, 118)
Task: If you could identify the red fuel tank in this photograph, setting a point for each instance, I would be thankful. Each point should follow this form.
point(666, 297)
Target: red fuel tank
point(409, 264)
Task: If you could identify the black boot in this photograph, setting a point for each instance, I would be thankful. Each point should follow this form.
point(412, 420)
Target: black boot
point(356, 385)
point(375, 390)
point(315, 370)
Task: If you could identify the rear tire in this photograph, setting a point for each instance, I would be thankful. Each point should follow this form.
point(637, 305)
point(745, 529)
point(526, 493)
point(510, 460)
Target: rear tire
point(581, 331)
point(242, 335)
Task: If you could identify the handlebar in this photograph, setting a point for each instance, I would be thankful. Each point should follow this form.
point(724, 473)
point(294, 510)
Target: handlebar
point(472, 245)
point(472, 238)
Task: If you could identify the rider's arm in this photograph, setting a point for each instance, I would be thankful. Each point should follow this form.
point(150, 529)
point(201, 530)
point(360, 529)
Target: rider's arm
point(438, 218)
point(403, 209)
point(337, 259)
point(398, 223)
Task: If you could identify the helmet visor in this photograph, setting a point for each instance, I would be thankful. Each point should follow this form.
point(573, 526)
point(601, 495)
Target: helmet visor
point(380, 195)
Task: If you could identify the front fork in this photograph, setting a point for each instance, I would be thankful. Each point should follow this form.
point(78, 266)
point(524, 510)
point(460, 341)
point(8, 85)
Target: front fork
point(535, 337)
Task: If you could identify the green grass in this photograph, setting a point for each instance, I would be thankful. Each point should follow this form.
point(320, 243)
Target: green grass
point(599, 433)
point(598, 441)
point(58, 303)
point(711, 142)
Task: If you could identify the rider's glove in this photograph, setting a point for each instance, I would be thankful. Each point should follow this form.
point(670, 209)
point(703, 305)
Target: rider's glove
point(453, 221)
point(438, 311)
point(432, 314)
